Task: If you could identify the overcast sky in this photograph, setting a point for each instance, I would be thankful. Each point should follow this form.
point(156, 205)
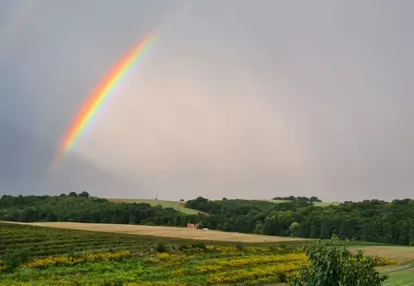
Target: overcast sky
point(250, 99)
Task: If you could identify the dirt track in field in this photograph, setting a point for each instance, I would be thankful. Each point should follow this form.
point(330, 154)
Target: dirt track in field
point(171, 232)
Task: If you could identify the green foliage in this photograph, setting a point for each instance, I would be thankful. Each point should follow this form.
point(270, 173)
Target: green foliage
point(178, 206)
point(199, 244)
point(83, 208)
point(282, 277)
point(219, 264)
point(293, 198)
point(370, 221)
point(333, 264)
point(18, 241)
point(240, 246)
point(12, 258)
point(182, 247)
point(84, 195)
point(294, 228)
point(160, 247)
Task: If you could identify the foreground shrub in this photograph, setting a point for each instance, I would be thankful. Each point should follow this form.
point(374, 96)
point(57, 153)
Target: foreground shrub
point(333, 264)
point(13, 258)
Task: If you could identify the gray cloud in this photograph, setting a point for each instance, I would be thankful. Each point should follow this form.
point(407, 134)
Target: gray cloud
point(235, 98)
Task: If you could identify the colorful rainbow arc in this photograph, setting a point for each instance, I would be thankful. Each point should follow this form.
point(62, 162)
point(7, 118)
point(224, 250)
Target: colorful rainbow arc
point(102, 92)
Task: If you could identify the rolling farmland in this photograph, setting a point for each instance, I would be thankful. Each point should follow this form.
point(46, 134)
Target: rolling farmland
point(67, 254)
point(39, 256)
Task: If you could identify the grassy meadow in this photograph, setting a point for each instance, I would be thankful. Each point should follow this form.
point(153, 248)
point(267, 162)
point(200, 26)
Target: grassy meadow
point(400, 278)
point(34, 255)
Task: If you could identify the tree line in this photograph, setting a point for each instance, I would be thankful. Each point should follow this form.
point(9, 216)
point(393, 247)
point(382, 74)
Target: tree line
point(293, 198)
point(369, 220)
point(82, 208)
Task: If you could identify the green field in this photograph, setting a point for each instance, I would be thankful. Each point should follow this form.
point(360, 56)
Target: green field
point(32, 255)
point(165, 204)
point(400, 278)
point(42, 256)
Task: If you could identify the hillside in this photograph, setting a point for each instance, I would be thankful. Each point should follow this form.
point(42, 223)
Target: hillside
point(373, 225)
point(178, 206)
point(369, 221)
point(82, 208)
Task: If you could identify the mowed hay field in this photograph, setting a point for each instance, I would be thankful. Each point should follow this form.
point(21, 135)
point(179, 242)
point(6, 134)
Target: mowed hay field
point(164, 204)
point(401, 254)
point(169, 232)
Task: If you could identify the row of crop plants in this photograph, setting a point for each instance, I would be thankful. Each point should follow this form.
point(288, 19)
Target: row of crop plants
point(41, 256)
point(190, 265)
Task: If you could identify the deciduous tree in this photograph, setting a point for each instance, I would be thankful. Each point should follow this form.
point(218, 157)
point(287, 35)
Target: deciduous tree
point(333, 264)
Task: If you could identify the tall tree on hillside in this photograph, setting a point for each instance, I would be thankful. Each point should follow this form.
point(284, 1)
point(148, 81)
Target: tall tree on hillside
point(294, 228)
point(84, 194)
point(314, 199)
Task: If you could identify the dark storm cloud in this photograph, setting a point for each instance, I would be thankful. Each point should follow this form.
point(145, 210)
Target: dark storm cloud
point(236, 98)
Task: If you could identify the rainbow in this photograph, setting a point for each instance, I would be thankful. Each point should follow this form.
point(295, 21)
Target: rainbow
point(98, 96)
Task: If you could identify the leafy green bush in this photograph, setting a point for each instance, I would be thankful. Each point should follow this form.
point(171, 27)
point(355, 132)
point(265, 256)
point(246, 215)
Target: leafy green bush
point(199, 244)
point(333, 264)
point(182, 247)
point(160, 247)
point(282, 277)
point(13, 258)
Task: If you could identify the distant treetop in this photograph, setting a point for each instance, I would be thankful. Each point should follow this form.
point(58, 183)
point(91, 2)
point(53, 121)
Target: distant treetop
point(312, 199)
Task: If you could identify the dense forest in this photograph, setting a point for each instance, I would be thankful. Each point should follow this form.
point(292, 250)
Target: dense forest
point(82, 208)
point(369, 220)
